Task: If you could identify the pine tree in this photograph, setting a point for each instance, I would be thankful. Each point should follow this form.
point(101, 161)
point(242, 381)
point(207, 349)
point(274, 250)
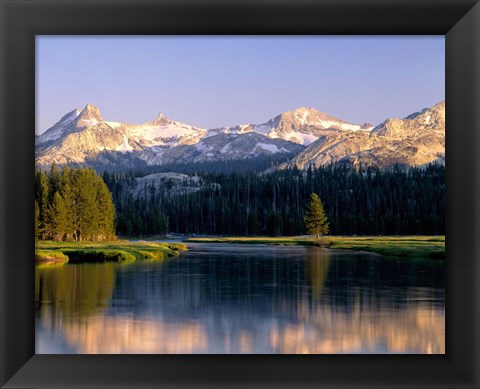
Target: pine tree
point(73, 204)
point(37, 220)
point(66, 190)
point(106, 212)
point(57, 218)
point(85, 209)
point(42, 195)
point(315, 219)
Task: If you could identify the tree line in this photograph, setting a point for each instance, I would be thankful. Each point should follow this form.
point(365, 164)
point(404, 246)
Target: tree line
point(364, 201)
point(73, 204)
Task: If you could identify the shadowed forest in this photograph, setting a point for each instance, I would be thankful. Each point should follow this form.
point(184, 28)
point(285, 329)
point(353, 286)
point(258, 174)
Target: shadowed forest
point(366, 202)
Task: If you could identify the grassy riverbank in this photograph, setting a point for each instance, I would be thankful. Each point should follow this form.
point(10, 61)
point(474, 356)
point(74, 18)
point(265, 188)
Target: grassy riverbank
point(122, 251)
point(400, 246)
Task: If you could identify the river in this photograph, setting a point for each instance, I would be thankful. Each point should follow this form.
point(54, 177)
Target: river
point(230, 298)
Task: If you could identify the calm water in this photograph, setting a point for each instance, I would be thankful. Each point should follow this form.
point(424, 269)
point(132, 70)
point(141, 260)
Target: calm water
point(244, 299)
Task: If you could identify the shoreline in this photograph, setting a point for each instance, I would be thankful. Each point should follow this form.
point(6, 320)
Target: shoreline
point(48, 253)
point(427, 247)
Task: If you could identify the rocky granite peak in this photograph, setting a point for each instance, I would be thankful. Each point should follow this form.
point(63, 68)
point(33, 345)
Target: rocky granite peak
point(414, 125)
point(416, 140)
point(162, 120)
point(309, 135)
point(305, 125)
point(89, 116)
point(160, 116)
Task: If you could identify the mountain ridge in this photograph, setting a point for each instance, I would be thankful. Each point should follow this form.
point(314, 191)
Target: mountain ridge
point(309, 135)
point(416, 140)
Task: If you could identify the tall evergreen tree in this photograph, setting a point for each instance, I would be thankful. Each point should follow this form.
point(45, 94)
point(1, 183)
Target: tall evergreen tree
point(42, 197)
point(57, 218)
point(106, 212)
point(315, 219)
point(37, 220)
point(85, 209)
point(67, 192)
point(73, 204)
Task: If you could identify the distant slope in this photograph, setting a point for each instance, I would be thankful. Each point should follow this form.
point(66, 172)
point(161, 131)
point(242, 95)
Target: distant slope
point(416, 140)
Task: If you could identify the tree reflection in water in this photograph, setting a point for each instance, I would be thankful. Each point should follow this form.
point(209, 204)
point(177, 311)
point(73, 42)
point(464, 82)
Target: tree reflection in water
point(246, 299)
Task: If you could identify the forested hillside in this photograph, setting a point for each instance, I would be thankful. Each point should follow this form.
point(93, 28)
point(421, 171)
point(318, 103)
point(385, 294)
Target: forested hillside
point(365, 202)
point(73, 204)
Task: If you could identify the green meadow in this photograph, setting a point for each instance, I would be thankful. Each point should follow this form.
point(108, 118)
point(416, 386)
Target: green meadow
point(400, 246)
point(121, 251)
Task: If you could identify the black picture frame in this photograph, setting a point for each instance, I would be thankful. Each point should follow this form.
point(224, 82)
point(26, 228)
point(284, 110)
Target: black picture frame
point(21, 20)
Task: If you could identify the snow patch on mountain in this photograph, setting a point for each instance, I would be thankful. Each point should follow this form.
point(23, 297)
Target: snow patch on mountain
point(58, 129)
point(201, 146)
point(348, 126)
point(300, 137)
point(125, 146)
point(165, 132)
point(161, 134)
point(70, 117)
point(113, 124)
point(89, 122)
point(269, 147)
point(225, 148)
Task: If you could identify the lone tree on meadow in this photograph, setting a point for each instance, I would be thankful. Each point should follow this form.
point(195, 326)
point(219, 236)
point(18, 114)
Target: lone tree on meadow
point(315, 219)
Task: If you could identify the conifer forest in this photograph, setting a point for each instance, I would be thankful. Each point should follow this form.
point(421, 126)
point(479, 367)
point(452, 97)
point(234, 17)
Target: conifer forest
point(365, 201)
point(73, 204)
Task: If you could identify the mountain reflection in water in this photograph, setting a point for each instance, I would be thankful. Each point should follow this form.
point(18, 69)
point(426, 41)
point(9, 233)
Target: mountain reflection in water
point(229, 298)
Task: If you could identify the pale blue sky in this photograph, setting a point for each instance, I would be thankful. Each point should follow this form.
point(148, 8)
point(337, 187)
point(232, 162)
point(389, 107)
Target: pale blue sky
point(221, 81)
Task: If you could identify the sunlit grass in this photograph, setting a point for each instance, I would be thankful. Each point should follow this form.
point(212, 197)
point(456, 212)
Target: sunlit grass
point(115, 251)
point(50, 257)
point(422, 246)
point(401, 246)
point(288, 241)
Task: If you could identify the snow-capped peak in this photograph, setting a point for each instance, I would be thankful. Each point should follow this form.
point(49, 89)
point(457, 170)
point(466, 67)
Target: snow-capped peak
point(69, 117)
point(59, 128)
point(160, 116)
point(414, 125)
point(304, 125)
point(81, 134)
point(162, 120)
point(89, 116)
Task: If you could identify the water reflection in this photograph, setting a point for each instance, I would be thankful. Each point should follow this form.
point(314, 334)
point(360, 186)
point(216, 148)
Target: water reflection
point(74, 289)
point(244, 299)
point(318, 262)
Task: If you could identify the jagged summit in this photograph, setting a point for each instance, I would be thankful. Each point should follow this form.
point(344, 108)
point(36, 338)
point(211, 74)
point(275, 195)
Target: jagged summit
point(309, 113)
point(439, 107)
point(59, 129)
point(83, 136)
point(89, 116)
point(432, 118)
point(161, 120)
point(416, 140)
point(304, 125)
point(69, 116)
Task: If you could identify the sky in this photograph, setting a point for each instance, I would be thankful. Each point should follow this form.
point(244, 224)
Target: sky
point(216, 81)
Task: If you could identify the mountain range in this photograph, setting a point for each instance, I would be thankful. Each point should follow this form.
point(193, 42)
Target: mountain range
point(304, 136)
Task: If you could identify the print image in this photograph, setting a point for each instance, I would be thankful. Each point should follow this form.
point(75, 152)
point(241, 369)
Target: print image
point(240, 195)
